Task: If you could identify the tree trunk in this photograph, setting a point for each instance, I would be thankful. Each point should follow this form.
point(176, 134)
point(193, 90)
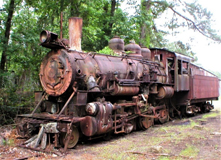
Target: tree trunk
point(7, 34)
point(6, 39)
point(113, 7)
point(145, 6)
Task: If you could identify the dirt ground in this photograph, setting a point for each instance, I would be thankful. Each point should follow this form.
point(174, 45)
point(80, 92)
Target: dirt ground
point(197, 137)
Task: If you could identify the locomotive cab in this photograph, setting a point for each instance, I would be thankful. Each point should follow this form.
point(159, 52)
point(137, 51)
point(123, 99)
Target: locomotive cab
point(182, 72)
point(194, 86)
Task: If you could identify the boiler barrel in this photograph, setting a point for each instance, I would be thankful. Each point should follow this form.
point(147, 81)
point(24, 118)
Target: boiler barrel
point(124, 90)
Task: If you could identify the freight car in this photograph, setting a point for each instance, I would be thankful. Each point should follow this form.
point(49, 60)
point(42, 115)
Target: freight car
point(91, 95)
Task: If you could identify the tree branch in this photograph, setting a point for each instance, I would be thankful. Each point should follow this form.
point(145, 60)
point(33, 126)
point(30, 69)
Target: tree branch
point(195, 26)
point(187, 19)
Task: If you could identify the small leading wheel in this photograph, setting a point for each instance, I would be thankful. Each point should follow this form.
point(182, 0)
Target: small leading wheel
point(164, 116)
point(74, 137)
point(145, 122)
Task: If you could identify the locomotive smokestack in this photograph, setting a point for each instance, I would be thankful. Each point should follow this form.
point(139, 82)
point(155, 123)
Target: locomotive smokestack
point(75, 32)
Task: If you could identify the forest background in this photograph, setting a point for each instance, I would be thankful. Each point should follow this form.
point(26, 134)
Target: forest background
point(21, 22)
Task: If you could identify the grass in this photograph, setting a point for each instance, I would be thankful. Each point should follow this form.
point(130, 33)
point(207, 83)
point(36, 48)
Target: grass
point(163, 158)
point(193, 123)
point(211, 115)
point(190, 151)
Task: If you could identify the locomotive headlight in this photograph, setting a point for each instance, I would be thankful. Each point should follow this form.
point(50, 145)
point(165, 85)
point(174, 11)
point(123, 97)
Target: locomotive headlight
point(47, 36)
point(43, 36)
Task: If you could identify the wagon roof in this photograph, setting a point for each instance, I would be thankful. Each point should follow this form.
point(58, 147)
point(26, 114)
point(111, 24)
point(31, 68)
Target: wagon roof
point(178, 55)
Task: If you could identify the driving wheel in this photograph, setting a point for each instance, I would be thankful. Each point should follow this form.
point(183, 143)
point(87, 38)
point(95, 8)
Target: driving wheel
point(145, 122)
point(164, 116)
point(74, 137)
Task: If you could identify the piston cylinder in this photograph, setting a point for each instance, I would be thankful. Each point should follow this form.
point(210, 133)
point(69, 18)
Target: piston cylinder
point(99, 121)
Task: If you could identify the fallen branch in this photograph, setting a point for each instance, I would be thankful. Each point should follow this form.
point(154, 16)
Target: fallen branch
point(27, 157)
point(41, 150)
point(153, 154)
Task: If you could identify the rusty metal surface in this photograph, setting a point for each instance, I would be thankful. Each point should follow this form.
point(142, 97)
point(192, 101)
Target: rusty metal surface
point(146, 53)
point(56, 72)
point(183, 84)
point(89, 126)
point(47, 36)
point(145, 122)
point(196, 70)
point(123, 90)
point(164, 56)
point(80, 99)
point(165, 92)
point(100, 123)
point(71, 138)
point(133, 48)
point(47, 116)
point(38, 95)
point(204, 87)
point(75, 33)
point(116, 44)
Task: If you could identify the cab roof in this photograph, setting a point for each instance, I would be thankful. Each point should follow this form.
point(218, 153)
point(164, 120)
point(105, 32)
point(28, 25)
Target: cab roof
point(177, 55)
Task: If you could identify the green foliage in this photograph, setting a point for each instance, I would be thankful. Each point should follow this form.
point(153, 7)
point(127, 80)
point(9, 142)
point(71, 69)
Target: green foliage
point(106, 50)
point(13, 103)
point(14, 99)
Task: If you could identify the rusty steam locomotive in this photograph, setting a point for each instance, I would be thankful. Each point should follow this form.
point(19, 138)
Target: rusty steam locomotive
point(90, 95)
